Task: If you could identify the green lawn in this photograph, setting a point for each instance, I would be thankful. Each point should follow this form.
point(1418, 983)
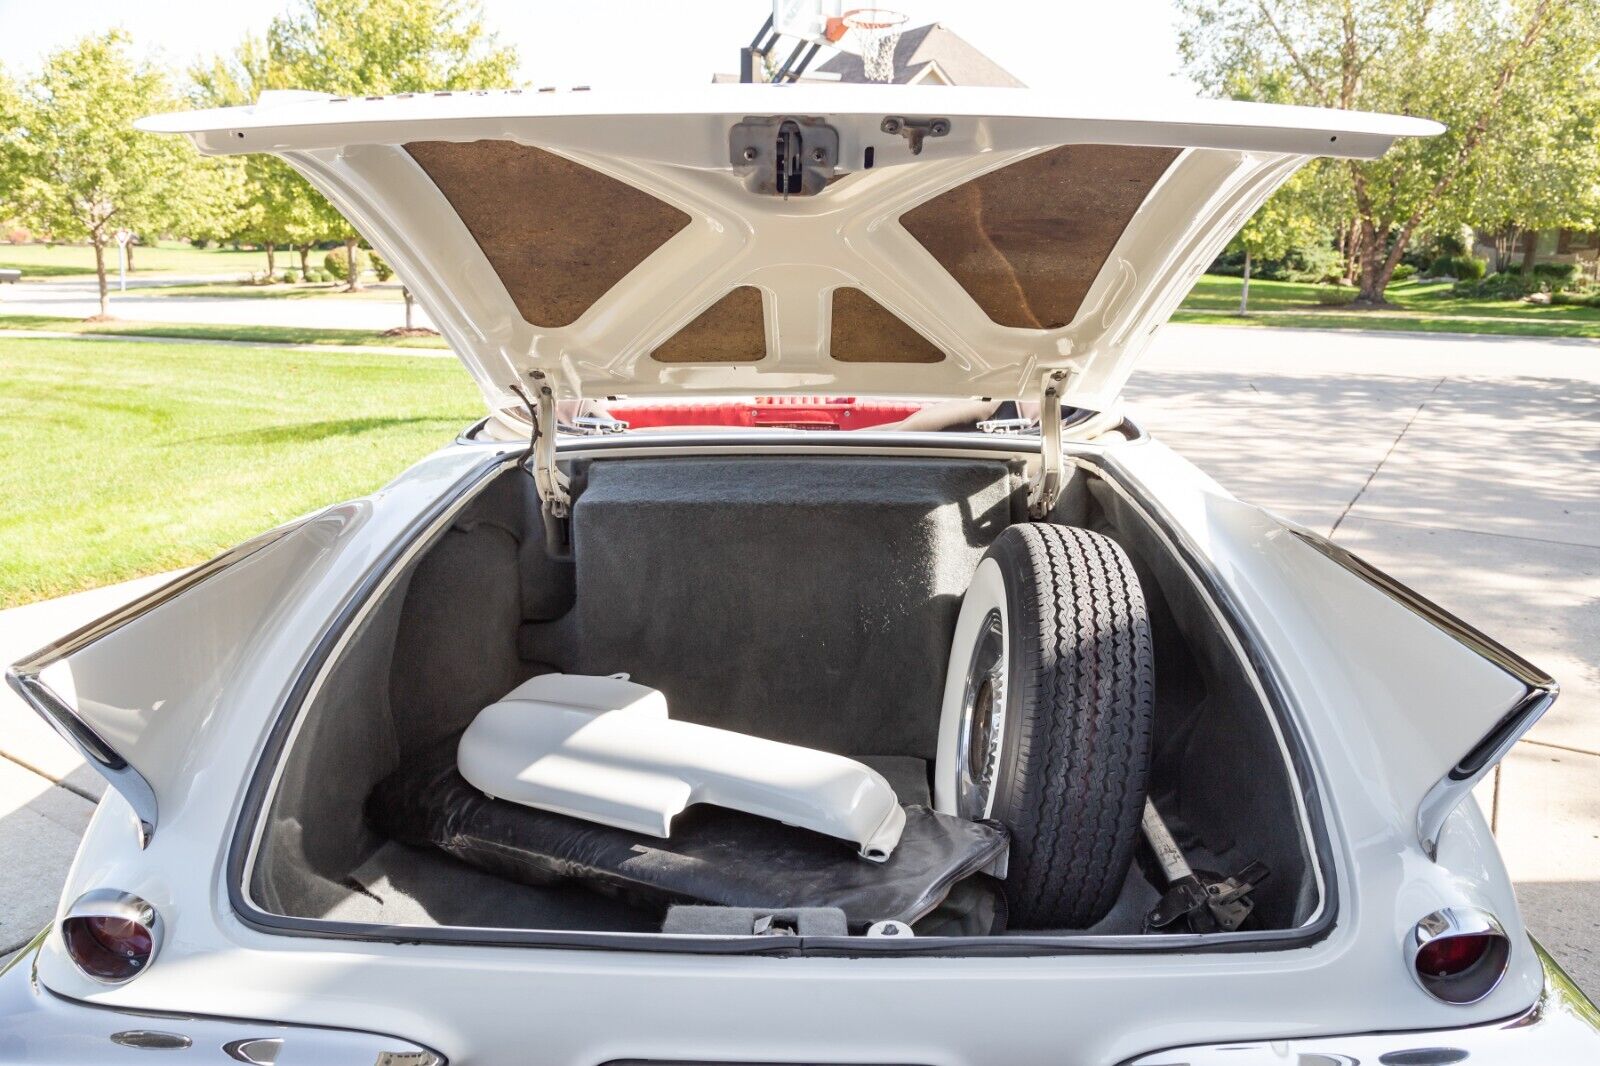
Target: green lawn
point(1423, 308)
point(214, 332)
point(133, 458)
point(170, 257)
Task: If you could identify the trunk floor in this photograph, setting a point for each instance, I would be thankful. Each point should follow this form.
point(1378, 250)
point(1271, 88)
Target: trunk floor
point(404, 885)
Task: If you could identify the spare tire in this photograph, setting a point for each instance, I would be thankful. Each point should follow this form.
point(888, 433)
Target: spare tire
point(1046, 719)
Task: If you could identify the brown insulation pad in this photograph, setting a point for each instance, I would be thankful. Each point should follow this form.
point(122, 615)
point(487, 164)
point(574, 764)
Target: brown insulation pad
point(732, 330)
point(559, 234)
point(1026, 241)
point(864, 331)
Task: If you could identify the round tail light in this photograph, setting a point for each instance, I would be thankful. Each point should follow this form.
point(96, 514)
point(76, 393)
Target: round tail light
point(111, 936)
point(1458, 954)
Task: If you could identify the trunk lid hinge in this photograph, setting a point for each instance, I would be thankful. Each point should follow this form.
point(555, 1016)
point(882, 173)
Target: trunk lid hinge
point(555, 490)
point(1046, 488)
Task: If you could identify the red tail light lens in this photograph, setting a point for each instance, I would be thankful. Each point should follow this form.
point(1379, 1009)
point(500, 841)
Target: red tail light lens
point(111, 936)
point(1458, 954)
point(1453, 956)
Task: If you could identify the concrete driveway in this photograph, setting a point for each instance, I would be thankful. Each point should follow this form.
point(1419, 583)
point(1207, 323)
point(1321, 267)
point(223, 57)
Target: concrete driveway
point(1468, 467)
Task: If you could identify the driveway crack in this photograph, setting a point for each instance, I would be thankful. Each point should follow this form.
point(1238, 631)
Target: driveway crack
point(1392, 446)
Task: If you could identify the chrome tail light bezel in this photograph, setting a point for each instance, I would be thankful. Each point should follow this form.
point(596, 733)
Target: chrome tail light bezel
point(1478, 980)
point(116, 904)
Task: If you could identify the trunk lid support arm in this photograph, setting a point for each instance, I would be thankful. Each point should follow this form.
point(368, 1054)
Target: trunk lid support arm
point(1046, 488)
point(554, 488)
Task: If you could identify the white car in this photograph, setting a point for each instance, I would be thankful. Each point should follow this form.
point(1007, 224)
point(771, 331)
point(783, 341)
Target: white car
point(804, 660)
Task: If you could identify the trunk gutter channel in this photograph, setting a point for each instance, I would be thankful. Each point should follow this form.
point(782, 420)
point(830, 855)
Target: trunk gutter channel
point(252, 810)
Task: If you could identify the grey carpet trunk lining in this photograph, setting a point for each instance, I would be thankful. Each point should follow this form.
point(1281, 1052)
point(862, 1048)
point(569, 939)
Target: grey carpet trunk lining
point(806, 599)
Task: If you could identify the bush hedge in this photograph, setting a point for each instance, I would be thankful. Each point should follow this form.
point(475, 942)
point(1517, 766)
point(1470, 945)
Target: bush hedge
point(1464, 267)
point(334, 263)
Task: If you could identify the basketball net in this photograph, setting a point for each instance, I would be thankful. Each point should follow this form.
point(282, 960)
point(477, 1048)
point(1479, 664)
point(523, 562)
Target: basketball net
point(876, 31)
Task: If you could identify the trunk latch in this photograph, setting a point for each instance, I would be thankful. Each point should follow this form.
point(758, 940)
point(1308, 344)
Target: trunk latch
point(784, 156)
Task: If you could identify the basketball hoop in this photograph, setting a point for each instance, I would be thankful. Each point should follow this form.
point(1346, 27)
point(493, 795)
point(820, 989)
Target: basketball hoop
point(877, 31)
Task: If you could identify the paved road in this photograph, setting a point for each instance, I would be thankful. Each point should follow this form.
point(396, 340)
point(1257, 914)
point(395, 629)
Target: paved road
point(79, 298)
point(1467, 467)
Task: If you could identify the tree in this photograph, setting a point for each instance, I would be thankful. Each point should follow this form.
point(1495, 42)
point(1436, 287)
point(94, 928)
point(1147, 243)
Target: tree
point(87, 172)
point(377, 47)
point(1484, 68)
point(13, 146)
point(1285, 222)
point(278, 206)
point(1547, 179)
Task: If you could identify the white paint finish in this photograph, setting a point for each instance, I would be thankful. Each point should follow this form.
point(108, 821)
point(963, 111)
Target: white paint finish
point(673, 144)
point(25, 737)
point(485, 1004)
point(604, 750)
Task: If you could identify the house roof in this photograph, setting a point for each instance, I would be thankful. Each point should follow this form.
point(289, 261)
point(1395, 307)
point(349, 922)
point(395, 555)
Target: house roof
point(929, 53)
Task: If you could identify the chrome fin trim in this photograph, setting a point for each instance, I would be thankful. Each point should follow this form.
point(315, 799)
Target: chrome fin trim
point(24, 678)
point(1539, 690)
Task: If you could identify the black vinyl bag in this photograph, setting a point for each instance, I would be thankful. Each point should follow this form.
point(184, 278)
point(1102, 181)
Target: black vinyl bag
point(714, 856)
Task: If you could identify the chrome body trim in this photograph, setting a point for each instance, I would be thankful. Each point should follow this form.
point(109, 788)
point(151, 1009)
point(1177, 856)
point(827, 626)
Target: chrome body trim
point(24, 677)
point(45, 1029)
point(1539, 690)
point(1562, 1028)
point(1480, 979)
point(112, 903)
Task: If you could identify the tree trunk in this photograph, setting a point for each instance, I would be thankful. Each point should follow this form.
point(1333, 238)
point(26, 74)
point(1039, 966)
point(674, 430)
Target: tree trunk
point(100, 273)
point(354, 284)
point(305, 260)
point(272, 262)
point(406, 294)
point(1352, 252)
point(1530, 249)
point(1244, 290)
point(1373, 278)
point(127, 251)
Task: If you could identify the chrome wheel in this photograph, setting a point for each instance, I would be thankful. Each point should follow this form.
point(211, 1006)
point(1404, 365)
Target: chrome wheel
point(983, 716)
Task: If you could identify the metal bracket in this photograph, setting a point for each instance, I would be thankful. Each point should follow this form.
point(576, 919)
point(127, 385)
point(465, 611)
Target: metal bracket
point(555, 491)
point(915, 129)
point(1205, 902)
point(785, 155)
point(1046, 488)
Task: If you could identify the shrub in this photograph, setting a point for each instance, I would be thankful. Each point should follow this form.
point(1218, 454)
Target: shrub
point(1403, 272)
point(1572, 299)
point(1501, 286)
point(1335, 295)
point(380, 270)
point(1465, 267)
point(292, 277)
point(1557, 271)
point(334, 263)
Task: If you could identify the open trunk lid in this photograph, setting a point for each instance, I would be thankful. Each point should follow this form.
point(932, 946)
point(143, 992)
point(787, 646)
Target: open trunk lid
point(933, 241)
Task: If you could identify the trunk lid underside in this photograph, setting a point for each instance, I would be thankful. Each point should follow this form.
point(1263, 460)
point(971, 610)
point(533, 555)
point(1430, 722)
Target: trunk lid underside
point(740, 239)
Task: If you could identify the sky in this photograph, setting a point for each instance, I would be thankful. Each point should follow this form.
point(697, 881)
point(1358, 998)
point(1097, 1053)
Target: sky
point(1070, 45)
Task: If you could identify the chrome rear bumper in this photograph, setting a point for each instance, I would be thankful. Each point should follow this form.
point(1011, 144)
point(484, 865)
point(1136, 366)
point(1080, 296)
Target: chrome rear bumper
point(1561, 1029)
